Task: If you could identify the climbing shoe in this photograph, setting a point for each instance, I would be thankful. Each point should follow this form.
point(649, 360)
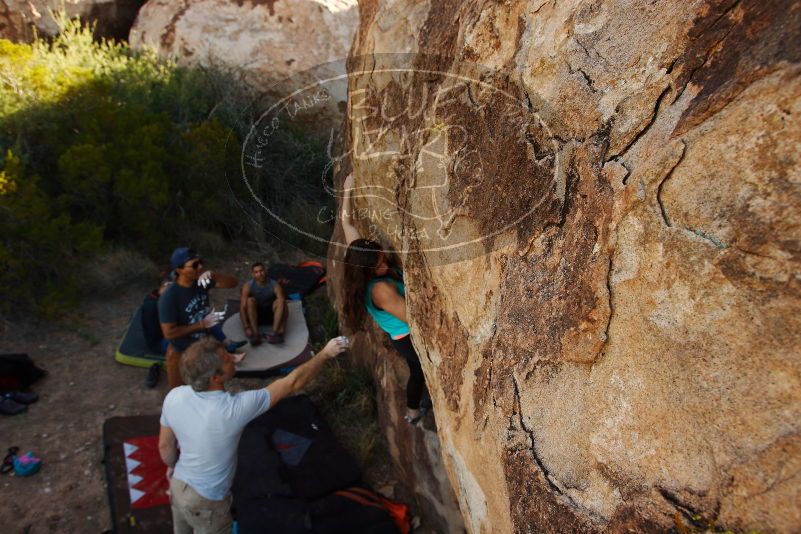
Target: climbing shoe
point(274, 339)
point(414, 421)
point(24, 397)
point(8, 406)
point(21, 397)
point(232, 346)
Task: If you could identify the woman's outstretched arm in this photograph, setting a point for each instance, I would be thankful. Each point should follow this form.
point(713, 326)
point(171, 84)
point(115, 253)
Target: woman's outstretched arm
point(351, 232)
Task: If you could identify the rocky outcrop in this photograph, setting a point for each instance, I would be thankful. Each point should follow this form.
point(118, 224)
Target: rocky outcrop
point(415, 452)
point(20, 20)
point(269, 41)
point(598, 209)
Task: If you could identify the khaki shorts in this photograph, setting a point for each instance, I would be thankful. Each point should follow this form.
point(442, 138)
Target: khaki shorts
point(193, 513)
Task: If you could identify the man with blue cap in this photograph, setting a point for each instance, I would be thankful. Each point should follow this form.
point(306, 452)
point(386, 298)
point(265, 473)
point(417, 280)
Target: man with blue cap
point(185, 313)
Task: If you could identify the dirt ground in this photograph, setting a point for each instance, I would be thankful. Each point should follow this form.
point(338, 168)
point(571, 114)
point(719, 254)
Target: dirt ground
point(84, 387)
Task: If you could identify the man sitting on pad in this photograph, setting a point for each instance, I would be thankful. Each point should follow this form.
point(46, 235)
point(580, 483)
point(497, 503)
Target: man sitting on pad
point(263, 302)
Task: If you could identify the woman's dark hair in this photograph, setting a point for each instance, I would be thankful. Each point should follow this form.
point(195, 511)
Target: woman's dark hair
point(361, 259)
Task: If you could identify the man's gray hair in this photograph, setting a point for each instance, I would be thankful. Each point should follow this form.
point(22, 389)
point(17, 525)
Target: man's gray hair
point(200, 362)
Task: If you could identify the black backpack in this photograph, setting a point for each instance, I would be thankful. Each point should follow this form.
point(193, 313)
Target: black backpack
point(290, 464)
point(18, 372)
point(301, 279)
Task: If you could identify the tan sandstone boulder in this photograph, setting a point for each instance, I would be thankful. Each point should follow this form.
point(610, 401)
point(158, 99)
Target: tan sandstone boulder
point(20, 20)
point(600, 228)
point(268, 41)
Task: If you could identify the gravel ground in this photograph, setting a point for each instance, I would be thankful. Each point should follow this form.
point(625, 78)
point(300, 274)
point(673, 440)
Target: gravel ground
point(84, 387)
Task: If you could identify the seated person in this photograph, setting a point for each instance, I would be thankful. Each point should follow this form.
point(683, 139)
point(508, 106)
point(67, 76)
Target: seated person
point(152, 327)
point(263, 302)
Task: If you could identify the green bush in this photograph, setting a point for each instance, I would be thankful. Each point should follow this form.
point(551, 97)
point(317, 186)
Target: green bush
point(103, 147)
point(289, 184)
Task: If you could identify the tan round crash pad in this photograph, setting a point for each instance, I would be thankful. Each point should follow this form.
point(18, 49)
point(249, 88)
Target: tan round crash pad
point(294, 350)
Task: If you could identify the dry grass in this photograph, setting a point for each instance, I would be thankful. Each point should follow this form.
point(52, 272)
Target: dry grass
point(211, 244)
point(345, 394)
point(321, 318)
point(116, 270)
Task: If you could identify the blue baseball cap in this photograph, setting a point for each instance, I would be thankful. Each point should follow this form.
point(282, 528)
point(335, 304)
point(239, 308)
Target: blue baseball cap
point(180, 256)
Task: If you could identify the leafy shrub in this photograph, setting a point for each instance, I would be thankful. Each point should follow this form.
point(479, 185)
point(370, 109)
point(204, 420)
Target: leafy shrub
point(104, 147)
point(289, 184)
point(111, 271)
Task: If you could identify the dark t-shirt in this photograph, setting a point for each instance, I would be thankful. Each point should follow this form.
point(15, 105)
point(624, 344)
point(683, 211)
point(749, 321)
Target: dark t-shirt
point(184, 306)
point(264, 295)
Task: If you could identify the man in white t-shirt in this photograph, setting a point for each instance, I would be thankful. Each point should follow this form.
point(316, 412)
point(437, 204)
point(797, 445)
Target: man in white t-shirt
point(207, 422)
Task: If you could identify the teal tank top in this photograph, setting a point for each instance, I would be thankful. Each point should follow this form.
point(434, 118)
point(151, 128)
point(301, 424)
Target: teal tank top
point(388, 322)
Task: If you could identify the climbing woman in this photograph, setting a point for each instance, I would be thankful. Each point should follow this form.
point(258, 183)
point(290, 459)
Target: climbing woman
point(374, 285)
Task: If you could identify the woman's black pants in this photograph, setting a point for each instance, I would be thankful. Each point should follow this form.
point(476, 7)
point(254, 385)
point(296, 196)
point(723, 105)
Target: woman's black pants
point(417, 381)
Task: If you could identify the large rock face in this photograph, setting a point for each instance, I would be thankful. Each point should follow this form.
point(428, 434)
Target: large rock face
point(20, 20)
point(268, 40)
point(601, 238)
point(416, 452)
